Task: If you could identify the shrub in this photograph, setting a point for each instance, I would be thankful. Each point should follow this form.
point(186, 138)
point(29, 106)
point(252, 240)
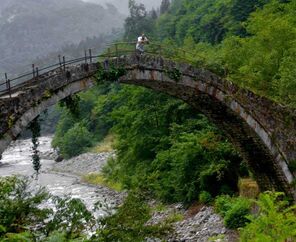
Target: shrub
point(129, 223)
point(19, 207)
point(275, 221)
point(205, 197)
point(75, 141)
point(235, 217)
point(222, 204)
point(21, 213)
point(234, 210)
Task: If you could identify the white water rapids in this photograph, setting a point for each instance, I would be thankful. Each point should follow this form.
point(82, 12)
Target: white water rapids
point(16, 160)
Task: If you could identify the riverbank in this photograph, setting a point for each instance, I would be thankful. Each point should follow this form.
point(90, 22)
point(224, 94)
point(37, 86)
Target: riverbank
point(197, 223)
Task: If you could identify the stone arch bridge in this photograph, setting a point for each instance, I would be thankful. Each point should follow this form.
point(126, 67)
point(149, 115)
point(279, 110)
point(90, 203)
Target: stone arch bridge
point(263, 131)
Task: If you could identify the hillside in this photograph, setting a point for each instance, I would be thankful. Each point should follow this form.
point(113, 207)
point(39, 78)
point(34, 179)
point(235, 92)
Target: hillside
point(29, 29)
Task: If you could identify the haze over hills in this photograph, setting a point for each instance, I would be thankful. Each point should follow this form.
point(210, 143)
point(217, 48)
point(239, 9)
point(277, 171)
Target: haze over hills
point(35, 28)
point(122, 5)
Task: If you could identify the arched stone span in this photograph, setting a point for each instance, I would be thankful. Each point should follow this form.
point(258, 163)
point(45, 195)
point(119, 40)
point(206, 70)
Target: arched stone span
point(264, 132)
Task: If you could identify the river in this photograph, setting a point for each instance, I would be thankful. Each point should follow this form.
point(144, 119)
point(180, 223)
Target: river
point(16, 160)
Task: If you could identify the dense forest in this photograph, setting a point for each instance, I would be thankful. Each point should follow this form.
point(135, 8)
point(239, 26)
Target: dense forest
point(163, 140)
point(167, 150)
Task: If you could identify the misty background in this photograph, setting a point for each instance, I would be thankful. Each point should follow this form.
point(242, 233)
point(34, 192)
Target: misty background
point(36, 31)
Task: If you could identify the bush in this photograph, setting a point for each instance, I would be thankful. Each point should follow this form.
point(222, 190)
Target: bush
point(19, 206)
point(222, 204)
point(75, 141)
point(21, 213)
point(234, 210)
point(205, 197)
point(275, 221)
point(129, 223)
point(235, 217)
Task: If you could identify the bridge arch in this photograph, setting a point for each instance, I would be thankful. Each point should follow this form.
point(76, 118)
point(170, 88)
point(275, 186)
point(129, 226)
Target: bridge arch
point(264, 132)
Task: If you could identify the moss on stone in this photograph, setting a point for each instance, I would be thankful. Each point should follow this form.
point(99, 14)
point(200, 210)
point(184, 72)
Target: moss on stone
point(174, 74)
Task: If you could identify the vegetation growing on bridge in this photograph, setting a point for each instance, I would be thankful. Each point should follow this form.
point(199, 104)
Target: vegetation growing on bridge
point(110, 73)
point(34, 127)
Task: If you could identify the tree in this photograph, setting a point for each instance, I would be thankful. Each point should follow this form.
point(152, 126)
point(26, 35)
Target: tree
point(164, 7)
point(138, 21)
point(153, 14)
point(75, 141)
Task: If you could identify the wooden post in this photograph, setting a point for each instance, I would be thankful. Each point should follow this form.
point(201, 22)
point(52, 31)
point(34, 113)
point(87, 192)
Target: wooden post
point(8, 87)
point(33, 70)
point(60, 61)
point(37, 72)
point(90, 55)
point(85, 56)
point(64, 63)
point(6, 81)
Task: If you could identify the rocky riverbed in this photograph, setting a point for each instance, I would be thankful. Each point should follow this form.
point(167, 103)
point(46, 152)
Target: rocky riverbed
point(60, 179)
point(198, 224)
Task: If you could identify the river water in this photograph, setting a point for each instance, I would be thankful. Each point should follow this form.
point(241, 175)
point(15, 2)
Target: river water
point(16, 160)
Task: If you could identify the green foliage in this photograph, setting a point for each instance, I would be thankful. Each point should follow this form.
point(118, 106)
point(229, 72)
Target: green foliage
point(205, 197)
point(164, 6)
point(22, 217)
point(99, 179)
point(75, 141)
point(94, 119)
point(111, 74)
point(174, 74)
point(71, 217)
point(236, 216)
point(165, 148)
point(21, 213)
point(72, 104)
point(234, 210)
point(250, 42)
point(223, 204)
point(128, 224)
point(266, 66)
point(275, 221)
point(138, 22)
point(205, 21)
point(19, 207)
point(35, 129)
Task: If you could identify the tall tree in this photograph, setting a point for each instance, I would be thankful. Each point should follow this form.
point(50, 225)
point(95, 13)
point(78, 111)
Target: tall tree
point(164, 7)
point(138, 21)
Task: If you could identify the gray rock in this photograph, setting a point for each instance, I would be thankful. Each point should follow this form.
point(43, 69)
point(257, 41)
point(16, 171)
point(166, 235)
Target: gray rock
point(84, 164)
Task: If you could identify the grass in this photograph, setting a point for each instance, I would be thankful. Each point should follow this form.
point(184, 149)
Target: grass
point(160, 207)
point(99, 179)
point(104, 146)
point(175, 217)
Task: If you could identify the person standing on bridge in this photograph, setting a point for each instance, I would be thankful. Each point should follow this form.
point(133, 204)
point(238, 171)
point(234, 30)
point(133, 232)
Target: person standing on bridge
point(142, 40)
